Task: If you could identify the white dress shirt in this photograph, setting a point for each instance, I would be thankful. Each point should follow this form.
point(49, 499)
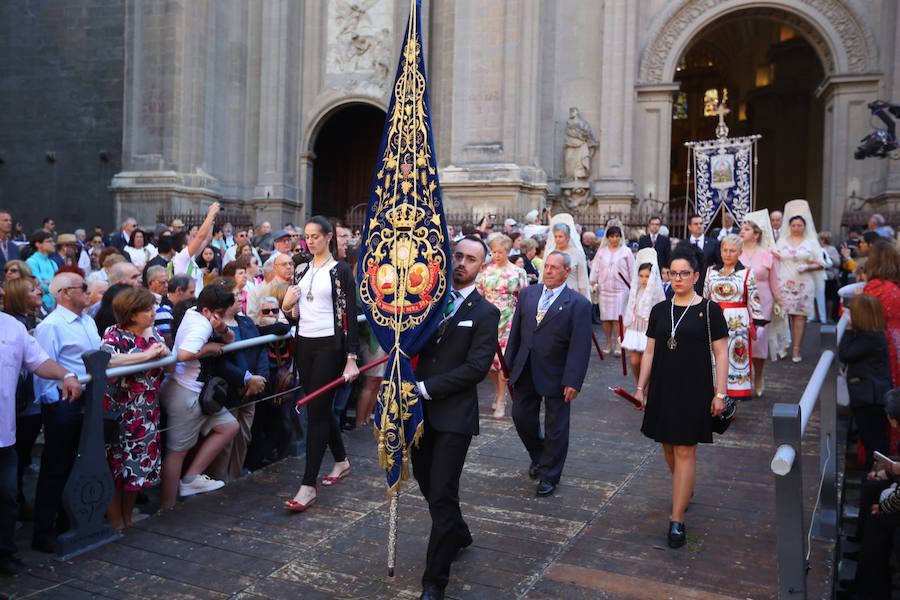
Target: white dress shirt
point(65, 337)
point(18, 351)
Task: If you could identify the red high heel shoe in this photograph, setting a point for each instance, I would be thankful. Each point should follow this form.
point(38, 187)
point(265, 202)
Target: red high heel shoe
point(293, 506)
point(329, 481)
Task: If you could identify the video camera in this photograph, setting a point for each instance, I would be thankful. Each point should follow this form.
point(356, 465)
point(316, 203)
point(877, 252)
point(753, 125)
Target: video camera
point(881, 142)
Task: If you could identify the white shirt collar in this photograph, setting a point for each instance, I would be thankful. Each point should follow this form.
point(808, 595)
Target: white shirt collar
point(464, 292)
point(556, 291)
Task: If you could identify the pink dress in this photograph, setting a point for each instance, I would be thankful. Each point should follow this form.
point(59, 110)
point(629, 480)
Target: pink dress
point(764, 264)
point(612, 270)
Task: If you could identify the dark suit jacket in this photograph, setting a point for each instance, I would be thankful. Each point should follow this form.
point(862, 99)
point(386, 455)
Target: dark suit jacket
point(868, 374)
point(452, 366)
point(559, 348)
point(13, 254)
point(117, 240)
point(229, 366)
point(663, 248)
point(710, 256)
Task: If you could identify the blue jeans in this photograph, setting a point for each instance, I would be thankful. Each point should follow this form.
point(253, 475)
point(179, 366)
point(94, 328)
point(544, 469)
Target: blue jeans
point(341, 399)
point(9, 506)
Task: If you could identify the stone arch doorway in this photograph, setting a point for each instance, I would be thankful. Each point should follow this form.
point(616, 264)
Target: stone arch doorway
point(844, 48)
point(345, 151)
point(767, 73)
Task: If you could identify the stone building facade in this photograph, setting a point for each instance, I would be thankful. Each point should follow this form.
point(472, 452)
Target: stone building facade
point(224, 99)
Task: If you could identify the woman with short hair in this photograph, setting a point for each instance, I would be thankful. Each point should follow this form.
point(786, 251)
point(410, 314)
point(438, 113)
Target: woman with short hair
point(733, 286)
point(15, 269)
point(135, 457)
point(611, 271)
point(500, 283)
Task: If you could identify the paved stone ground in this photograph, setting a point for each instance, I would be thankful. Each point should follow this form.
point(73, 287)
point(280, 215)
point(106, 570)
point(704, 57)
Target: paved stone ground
point(601, 536)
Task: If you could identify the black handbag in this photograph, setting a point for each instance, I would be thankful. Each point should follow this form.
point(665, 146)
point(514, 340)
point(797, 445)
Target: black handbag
point(214, 395)
point(721, 423)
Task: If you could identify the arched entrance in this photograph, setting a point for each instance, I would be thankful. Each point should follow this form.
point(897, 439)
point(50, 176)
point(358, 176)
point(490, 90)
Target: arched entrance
point(767, 74)
point(346, 150)
point(848, 66)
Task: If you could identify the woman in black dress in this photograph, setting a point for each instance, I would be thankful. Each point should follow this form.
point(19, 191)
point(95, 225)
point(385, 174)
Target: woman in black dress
point(677, 381)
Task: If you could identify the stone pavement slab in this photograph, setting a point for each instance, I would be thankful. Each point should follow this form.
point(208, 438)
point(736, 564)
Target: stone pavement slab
point(602, 535)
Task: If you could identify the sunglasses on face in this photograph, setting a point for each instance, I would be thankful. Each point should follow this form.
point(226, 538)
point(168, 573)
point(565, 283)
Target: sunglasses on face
point(82, 287)
point(12, 270)
point(268, 311)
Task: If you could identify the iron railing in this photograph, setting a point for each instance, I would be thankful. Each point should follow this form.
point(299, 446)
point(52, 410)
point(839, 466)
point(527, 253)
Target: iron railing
point(789, 424)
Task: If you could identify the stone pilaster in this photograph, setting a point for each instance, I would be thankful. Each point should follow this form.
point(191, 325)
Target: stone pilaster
point(653, 140)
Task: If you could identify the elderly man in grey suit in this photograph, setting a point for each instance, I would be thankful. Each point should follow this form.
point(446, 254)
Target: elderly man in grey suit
point(548, 352)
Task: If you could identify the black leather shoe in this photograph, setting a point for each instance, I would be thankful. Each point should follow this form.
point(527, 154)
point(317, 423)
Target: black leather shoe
point(545, 488)
point(431, 592)
point(10, 566)
point(677, 534)
point(533, 471)
point(47, 546)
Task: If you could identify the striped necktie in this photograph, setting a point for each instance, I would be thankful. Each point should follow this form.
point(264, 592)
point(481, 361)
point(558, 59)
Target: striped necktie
point(449, 311)
point(546, 301)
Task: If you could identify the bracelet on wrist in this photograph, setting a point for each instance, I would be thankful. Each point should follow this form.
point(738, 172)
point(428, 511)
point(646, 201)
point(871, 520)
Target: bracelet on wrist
point(70, 374)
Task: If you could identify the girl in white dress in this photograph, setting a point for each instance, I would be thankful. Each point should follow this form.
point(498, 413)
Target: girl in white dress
point(645, 293)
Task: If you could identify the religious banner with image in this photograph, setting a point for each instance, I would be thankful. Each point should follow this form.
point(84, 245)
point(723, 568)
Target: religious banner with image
point(724, 173)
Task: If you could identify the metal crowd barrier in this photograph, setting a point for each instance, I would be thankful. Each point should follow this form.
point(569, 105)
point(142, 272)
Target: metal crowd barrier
point(89, 489)
point(789, 425)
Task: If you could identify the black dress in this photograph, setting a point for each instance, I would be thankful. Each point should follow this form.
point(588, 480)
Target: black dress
point(681, 385)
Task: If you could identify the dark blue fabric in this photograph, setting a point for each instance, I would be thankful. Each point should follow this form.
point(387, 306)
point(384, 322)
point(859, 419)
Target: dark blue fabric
point(405, 257)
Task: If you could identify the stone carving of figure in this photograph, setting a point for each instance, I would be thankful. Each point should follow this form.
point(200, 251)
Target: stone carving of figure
point(579, 147)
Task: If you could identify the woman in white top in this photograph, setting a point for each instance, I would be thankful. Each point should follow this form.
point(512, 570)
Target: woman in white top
point(322, 302)
point(139, 251)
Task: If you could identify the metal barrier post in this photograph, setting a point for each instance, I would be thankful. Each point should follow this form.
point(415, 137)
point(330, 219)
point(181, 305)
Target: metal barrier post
point(826, 520)
point(791, 539)
point(89, 488)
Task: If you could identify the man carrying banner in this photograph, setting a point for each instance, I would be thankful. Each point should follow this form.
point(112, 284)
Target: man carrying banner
point(450, 368)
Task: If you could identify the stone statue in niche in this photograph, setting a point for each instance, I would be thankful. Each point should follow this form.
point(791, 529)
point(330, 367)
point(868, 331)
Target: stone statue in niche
point(580, 145)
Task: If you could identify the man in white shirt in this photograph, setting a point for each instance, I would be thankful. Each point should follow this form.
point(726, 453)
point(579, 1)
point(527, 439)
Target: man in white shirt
point(707, 245)
point(65, 335)
point(19, 351)
point(183, 262)
point(180, 394)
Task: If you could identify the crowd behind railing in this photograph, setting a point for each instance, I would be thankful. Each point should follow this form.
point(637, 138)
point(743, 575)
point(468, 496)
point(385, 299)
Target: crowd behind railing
point(143, 293)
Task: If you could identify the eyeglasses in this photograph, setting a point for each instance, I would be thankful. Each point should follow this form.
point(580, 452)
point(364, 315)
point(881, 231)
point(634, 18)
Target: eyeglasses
point(12, 269)
point(680, 274)
point(268, 311)
point(82, 287)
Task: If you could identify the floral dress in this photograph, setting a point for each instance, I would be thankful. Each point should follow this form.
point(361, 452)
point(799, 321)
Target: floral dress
point(737, 296)
point(500, 286)
point(135, 463)
point(799, 287)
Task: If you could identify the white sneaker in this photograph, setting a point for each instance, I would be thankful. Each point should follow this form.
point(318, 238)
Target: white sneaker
point(200, 485)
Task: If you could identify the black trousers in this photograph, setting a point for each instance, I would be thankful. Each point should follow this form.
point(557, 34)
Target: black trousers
point(62, 428)
point(872, 424)
point(9, 507)
point(320, 361)
point(437, 466)
point(28, 427)
point(873, 573)
point(547, 452)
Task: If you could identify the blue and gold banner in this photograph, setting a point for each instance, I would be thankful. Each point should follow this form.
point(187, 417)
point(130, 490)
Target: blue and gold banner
point(723, 171)
point(404, 268)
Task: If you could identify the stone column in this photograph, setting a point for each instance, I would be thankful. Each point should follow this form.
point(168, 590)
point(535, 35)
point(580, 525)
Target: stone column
point(495, 114)
point(614, 181)
point(653, 140)
point(275, 194)
point(847, 120)
point(167, 48)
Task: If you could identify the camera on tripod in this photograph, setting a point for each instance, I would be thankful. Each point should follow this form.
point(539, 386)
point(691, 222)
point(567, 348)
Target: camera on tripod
point(881, 142)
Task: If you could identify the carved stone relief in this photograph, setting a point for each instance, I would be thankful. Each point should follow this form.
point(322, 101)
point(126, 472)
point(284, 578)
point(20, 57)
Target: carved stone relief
point(360, 43)
point(854, 37)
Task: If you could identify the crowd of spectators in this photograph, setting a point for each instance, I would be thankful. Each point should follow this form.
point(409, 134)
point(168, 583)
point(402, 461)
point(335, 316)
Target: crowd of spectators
point(141, 293)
